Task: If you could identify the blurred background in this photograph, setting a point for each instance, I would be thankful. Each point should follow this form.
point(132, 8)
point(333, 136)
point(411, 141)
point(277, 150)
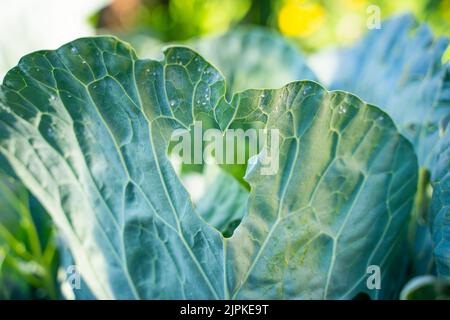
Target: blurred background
point(28, 25)
point(29, 255)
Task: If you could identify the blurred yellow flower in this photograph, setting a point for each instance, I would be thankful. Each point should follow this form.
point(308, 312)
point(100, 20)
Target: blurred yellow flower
point(445, 9)
point(355, 4)
point(300, 18)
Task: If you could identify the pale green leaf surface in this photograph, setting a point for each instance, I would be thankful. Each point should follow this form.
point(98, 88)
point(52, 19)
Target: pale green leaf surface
point(86, 128)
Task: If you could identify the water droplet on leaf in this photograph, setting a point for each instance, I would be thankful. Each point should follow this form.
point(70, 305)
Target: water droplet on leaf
point(342, 109)
point(306, 90)
point(50, 132)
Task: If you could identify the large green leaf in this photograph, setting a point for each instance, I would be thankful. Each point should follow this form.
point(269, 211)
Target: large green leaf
point(86, 127)
point(400, 69)
point(440, 206)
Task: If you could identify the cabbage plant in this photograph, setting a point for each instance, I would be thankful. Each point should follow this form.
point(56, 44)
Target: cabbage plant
point(87, 129)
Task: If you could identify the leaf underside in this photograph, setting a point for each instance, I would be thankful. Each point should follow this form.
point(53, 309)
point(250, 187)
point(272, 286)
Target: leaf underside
point(86, 127)
point(440, 206)
point(400, 69)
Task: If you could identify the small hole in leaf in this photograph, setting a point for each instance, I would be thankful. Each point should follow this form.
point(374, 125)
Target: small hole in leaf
point(229, 230)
